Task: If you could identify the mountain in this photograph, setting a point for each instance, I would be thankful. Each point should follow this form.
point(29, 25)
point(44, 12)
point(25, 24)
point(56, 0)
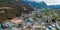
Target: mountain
point(41, 4)
point(35, 4)
point(54, 6)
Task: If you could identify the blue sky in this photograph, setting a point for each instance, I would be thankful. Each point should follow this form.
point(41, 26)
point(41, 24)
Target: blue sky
point(49, 2)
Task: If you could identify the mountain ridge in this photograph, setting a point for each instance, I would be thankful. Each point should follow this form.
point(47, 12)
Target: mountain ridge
point(42, 4)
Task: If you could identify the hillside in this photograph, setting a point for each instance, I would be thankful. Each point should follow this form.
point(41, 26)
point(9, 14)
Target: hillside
point(11, 9)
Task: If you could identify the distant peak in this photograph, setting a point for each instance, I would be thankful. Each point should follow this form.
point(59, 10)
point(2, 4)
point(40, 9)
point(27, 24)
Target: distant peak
point(42, 2)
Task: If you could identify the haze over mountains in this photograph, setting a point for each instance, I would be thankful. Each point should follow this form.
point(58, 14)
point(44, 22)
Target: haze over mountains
point(41, 4)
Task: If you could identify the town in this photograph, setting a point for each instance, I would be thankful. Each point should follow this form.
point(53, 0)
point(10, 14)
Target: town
point(16, 15)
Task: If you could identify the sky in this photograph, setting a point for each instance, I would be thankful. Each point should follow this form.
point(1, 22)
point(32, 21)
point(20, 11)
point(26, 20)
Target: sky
point(49, 2)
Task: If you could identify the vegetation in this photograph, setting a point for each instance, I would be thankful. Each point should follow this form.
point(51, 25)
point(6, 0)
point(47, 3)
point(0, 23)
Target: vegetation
point(53, 13)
